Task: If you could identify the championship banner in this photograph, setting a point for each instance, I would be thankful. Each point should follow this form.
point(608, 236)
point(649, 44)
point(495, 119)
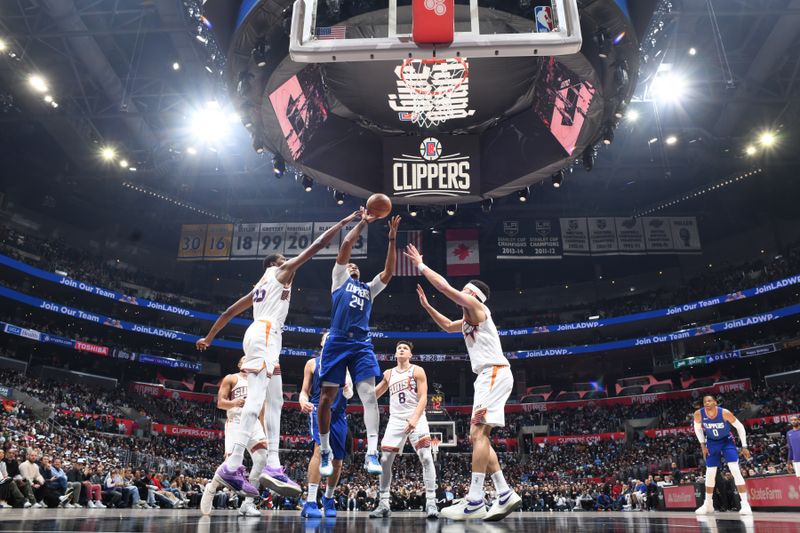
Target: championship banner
point(245, 241)
point(630, 236)
point(271, 239)
point(192, 241)
point(575, 236)
point(540, 239)
point(602, 236)
point(218, 242)
point(657, 234)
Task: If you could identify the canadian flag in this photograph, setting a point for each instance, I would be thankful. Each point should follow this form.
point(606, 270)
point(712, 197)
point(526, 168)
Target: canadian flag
point(462, 252)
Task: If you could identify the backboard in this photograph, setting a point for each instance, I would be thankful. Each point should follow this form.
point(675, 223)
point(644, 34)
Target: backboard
point(326, 31)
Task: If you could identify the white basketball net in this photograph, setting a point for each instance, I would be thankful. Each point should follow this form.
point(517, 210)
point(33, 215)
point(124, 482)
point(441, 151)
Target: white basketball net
point(434, 90)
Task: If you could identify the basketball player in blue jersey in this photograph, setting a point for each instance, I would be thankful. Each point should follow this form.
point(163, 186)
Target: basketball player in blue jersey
point(712, 425)
point(309, 401)
point(349, 347)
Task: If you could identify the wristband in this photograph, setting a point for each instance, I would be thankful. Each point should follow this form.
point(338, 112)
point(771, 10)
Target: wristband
point(421, 267)
point(391, 240)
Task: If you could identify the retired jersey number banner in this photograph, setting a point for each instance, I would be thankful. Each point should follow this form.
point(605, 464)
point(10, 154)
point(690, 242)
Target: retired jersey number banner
point(433, 165)
point(553, 238)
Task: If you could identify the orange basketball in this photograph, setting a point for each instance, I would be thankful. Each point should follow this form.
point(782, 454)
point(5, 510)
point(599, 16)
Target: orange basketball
point(379, 205)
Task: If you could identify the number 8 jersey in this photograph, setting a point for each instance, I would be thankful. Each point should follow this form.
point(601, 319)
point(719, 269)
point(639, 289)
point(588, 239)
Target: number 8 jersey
point(352, 302)
point(402, 393)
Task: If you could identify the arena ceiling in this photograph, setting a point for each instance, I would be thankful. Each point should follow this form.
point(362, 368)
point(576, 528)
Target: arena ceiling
point(109, 66)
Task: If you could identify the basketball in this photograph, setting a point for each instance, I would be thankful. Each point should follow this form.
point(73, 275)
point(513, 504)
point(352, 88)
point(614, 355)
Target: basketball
point(379, 205)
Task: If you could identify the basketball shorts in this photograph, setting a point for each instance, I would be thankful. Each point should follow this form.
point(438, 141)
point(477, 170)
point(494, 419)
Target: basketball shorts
point(394, 439)
point(796, 465)
point(341, 354)
point(338, 438)
point(262, 347)
point(718, 450)
point(492, 389)
point(256, 441)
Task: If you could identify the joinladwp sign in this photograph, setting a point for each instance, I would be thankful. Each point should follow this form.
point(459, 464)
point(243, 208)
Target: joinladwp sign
point(434, 165)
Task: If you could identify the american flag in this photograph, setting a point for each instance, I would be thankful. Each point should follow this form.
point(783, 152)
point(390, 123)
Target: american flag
point(403, 265)
point(325, 33)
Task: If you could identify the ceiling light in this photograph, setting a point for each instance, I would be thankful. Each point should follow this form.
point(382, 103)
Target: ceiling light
point(588, 158)
point(608, 134)
point(176, 66)
point(486, 205)
point(108, 153)
point(557, 178)
point(692, 51)
point(307, 182)
point(339, 197)
point(48, 98)
point(671, 140)
point(767, 138)
point(523, 194)
point(750, 150)
point(451, 210)
point(3, 46)
point(412, 211)
point(668, 87)
point(632, 115)
point(38, 83)
point(123, 163)
point(278, 166)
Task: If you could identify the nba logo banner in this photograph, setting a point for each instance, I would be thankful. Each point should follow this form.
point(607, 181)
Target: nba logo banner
point(544, 19)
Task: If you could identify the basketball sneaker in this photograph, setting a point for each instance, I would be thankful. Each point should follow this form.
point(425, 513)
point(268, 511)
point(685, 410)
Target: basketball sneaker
point(235, 480)
point(207, 501)
point(381, 511)
point(503, 505)
point(248, 508)
point(373, 464)
point(706, 508)
point(464, 509)
point(745, 509)
point(274, 478)
point(329, 506)
point(431, 511)
point(310, 510)
point(325, 465)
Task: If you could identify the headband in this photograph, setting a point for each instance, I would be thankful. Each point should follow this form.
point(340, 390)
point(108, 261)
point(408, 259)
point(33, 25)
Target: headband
point(477, 291)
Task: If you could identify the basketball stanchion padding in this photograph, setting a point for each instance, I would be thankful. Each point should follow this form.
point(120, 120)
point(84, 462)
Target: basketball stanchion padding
point(433, 21)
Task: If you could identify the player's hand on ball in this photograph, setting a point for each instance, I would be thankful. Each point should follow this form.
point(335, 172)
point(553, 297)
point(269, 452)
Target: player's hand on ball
point(393, 224)
point(307, 407)
point(746, 453)
point(412, 253)
point(203, 343)
point(411, 425)
point(422, 298)
point(365, 216)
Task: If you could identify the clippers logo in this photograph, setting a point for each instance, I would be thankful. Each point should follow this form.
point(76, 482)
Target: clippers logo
point(431, 172)
point(437, 6)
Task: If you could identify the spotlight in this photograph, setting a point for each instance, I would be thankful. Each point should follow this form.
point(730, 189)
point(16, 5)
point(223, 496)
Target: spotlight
point(176, 66)
point(632, 115)
point(108, 153)
point(603, 43)
point(339, 197)
point(278, 166)
point(123, 163)
point(258, 144)
point(3, 46)
point(767, 139)
point(608, 134)
point(37, 83)
point(191, 150)
point(668, 87)
point(260, 53)
point(48, 98)
point(692, 51)
point(557, 178)
point(54, 104)
point(413, 211)
point(750, 150)
point(588, 158)
point(523, 194)
point(307, 183)
point(671, 140)
point(451, 209)
point(486, 205)
point(210, 124)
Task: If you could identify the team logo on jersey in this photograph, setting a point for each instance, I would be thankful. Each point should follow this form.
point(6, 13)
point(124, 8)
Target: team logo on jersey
point(469, 330)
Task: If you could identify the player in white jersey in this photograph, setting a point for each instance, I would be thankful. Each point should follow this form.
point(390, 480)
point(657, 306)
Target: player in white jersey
point(262, 345)
point(492, 389)
point(231, 398)
point(407, 385)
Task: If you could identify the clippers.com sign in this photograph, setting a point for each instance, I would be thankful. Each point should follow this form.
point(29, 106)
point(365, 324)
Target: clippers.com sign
point(440, 165)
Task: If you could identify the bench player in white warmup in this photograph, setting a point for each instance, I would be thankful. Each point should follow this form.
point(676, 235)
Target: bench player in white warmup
point(492, 389)
point(231, 398)
point(262, 347)
point(408, 391)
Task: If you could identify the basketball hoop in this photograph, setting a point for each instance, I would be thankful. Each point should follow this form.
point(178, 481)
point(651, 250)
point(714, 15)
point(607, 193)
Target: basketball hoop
point(435, 441)
point(432, 87)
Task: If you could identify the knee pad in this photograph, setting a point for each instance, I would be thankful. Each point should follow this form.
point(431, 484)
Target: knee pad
point(711, 476)
point(736, 473)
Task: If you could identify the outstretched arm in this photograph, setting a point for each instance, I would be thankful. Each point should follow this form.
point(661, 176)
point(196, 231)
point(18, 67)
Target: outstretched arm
point(440, 284)
point(391, 253)
point(352, 236)
point(450, 326)
point(287, 270)
point(242, 304)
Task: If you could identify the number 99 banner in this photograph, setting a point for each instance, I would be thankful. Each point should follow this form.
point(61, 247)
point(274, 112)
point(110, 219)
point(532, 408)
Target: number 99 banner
point(214, 242)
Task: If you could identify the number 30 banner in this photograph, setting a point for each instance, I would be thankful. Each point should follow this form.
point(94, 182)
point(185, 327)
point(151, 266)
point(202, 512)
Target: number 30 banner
point(215, 242)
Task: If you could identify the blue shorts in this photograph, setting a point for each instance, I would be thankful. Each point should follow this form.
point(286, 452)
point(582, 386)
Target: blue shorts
point(717, 450)
point(338, 432)
point(346, 353)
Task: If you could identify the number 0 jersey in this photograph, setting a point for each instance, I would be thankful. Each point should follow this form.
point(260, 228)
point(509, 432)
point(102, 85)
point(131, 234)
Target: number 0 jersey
point(271, 299)
point(351, 302)
point(483, 344)
point(716, 428)
point(403, 398)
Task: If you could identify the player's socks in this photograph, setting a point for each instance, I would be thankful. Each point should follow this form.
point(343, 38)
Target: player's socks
point(476, 487)
point(499, 481)
point(312, 492)
point(372, 444)
point(325, 442)
point(329, 490)
point(273, 459)
point(236, 457)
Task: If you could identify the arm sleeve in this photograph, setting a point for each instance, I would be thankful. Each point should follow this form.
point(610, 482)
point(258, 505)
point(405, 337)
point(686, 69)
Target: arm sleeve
point(339, 276)
point(375, 286)
point(698, 430)
point(789, 446)
point(739, 427)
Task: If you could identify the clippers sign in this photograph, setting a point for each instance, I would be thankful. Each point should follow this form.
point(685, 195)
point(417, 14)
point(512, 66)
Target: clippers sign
point(444, 165)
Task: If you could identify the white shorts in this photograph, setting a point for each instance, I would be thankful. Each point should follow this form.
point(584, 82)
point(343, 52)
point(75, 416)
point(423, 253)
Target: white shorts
point(492, 389)
point(394, 439)
point(796, 465)
point(262, 347)
point(257, 437)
